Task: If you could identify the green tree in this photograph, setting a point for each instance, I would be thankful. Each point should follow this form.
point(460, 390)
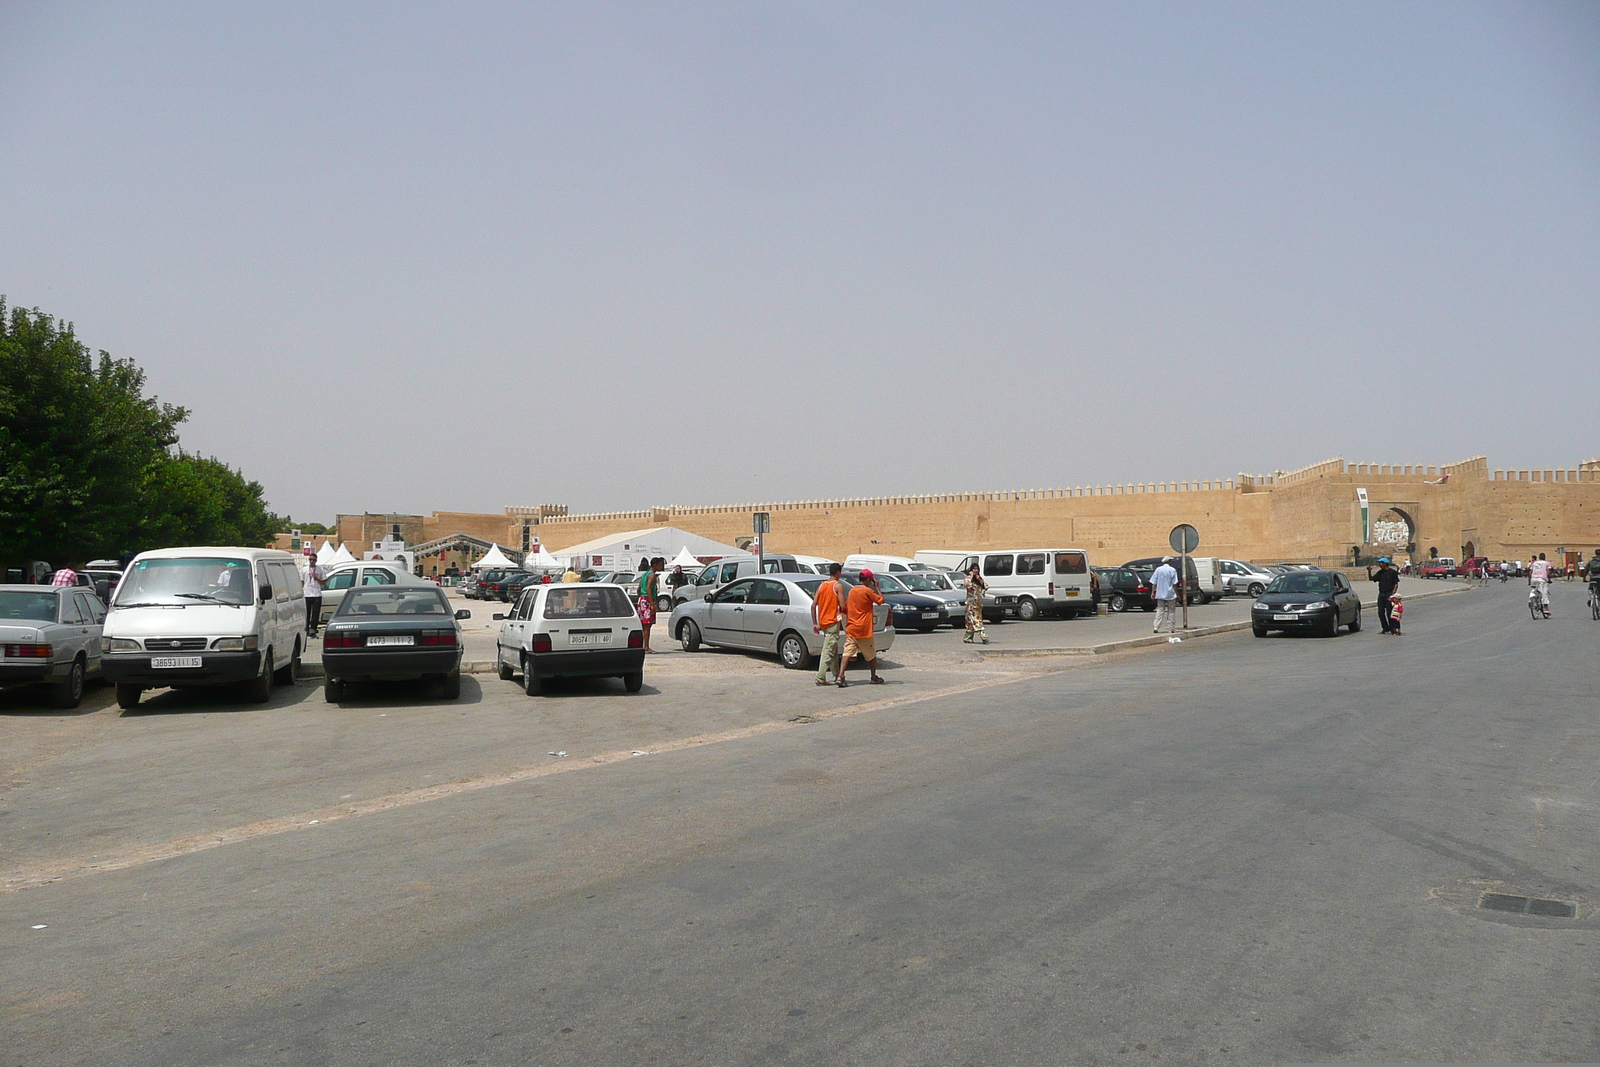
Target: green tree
point(88, 463)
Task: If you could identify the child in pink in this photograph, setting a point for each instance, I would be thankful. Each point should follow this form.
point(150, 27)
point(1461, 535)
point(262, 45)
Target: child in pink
point(1396, 609)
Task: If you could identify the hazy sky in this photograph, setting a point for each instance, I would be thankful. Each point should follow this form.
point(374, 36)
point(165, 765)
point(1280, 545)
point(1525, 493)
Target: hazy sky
point(413, 257)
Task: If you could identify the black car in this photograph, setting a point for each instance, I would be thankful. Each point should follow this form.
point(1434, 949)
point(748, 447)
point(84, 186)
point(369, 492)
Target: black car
point(1319, 601)
point(1189, 587)
point(1122, 588)
point(907, 610)
point(490, 583)
point(511, 587)
point(390, 632)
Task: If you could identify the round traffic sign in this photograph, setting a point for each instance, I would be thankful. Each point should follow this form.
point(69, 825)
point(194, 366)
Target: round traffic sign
point(1184, 538)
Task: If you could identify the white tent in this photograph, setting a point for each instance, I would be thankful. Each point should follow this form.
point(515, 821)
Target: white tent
point(494, 558)
point(542, 561)
point(342, 556)
point(623, 551)
point(325, 554)
point(684, 558)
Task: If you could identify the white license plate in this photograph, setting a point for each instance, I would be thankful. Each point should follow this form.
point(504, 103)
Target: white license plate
point(930, 614)
point(1286, 618)
point(588, 639)
point(401, 639)
point(160, 662)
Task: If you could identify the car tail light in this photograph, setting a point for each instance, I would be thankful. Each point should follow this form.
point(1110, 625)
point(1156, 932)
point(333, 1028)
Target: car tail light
point(541, 642)
point(342, 641)
point(438, 637)
point(636, 639)
point(29, 651)
point(1051, 587)
point(1143, 589)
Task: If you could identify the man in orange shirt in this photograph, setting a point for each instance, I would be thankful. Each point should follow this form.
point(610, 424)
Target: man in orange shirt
point(826, 620)
point(858, 626)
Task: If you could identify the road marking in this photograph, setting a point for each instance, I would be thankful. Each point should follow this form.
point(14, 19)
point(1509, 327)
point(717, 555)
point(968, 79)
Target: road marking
point(65, 870)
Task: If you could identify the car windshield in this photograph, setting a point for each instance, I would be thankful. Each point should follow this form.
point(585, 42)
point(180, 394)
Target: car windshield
point(190, 580)
point(384, 601)
point(1302, 582)
point(34, 607)
point(890, 584)
point(578, 602)
point(920, 583)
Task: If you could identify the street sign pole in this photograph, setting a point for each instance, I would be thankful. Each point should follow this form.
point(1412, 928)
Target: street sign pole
point(1184, 539)
point(761, 525)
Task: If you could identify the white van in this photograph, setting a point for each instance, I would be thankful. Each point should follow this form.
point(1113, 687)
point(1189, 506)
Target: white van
point(1037, 581)
point(205, 616)
point(887, 564)
point(718, 574)
point(947, 559)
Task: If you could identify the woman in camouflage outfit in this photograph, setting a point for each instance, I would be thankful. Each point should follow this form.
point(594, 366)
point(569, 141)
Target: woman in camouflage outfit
point(975, 587)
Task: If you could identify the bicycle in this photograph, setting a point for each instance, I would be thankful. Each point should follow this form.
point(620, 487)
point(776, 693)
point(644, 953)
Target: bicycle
point(1539, 603)
point(1594, 600)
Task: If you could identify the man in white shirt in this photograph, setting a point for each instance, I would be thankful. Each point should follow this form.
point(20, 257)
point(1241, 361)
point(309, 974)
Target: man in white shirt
point(1539, 578)
point(1165, 580)
point(313, 578)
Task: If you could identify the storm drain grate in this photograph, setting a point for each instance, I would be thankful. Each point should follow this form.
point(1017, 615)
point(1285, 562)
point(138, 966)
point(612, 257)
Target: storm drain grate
point(1554, 909)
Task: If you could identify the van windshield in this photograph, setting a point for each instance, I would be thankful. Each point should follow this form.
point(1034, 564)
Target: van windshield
point(191, 580)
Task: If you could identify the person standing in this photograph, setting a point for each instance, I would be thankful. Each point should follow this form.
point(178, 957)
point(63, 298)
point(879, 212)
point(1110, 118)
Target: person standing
point(1397, 608)
point(975, 590)
point(1539, 579)
point(571, 575)
point(858, 627)
point(1165, 581)
point(677, 579)
point(313, 579)
point(67, 575)
point(649, 582)
point(1388, 580)
point(827, 619)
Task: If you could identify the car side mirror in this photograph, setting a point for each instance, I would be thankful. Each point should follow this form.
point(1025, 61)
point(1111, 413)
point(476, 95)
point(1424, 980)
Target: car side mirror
point(265, 593)
point(711, 598)
point(497, 616)
point(463, 614)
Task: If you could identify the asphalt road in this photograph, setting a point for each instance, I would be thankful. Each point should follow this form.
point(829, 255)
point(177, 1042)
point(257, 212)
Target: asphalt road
point(1229, 851)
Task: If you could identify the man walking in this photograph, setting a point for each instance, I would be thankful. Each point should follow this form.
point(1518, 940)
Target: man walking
point(828, 620)
point(858, 627)
point(1165, 580)
point(1388, 580)
point(313, 580)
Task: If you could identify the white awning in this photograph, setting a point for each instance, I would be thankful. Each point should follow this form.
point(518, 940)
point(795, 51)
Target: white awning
point(494, 558)
point(684, 558)
point(342, 556)
point(325, 554)
point(542, 561)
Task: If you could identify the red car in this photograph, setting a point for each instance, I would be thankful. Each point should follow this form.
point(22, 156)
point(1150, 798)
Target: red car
point(1470, 567)
point(1438, 568)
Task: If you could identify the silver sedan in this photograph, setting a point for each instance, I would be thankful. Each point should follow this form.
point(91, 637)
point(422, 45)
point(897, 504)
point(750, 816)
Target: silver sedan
point(51, 635)
point(770, 614)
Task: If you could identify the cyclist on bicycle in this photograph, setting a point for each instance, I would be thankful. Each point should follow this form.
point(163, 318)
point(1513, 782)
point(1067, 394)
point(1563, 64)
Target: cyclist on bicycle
point(1539, 579)
point(1591, 574)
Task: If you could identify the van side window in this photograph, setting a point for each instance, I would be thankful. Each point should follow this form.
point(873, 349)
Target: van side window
point(291, 580)
point(730, 571)
point(1030, 563)
point(1071, 563)
point(898, 567)
point(707, 576)
point(997, 566)
point(264, 576)
point(790, 567)
point(966, 565)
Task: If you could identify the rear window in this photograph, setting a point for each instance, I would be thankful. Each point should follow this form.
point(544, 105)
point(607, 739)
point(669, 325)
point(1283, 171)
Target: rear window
point(33, 607)
point(393, 602)
point(811, 587)
point(1071, 563)
point(997, 566)
point(586, 602)
point(1030, 563)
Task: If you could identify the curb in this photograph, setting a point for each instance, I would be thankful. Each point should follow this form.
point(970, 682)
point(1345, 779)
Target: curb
point(480, 666)
point(1154, 639)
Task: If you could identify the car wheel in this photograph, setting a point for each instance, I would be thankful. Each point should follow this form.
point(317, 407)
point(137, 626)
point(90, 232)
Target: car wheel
point(1117, 604)
point(291, 672)
point(128, 695)
point(1256, 589)
point(633, 681)
point(530, 680)
point(793, 651)
point(506, 671)
point(664, 604)
point(259, 689)
point(689, 636)
point(1027, 610)
point(1355, 623)
point(333, 690)
point(1259, 631)
point(450, 689)
point(1333, 624)
point(68, 693)
point(1149, 607)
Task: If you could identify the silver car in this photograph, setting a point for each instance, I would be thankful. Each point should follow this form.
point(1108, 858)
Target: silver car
point(1244, 579)
point(51, 635)
point(770, 613)
point(950, 588)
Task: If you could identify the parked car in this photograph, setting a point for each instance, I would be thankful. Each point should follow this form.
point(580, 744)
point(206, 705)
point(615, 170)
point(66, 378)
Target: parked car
point(492, 584)
point(1122, 588)
point(1438, 568)
point(516, 581)
point(770, 614)
point(909, 611)
point(1471, 565)
point(1190, 591)
point(572, 630)
point(1036, 581)
point(205, 616)
point(51, 636)
point(362, 573)
point(393, 633)
point(943, 558)
point(1320, 601)
point(948, 588)
point(1240, 578)
point(469, 585)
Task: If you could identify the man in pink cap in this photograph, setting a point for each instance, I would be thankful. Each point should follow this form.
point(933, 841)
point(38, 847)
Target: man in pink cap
point(858, 626)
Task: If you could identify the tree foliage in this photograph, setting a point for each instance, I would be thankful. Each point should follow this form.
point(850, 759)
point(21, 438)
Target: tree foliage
point(88, 463)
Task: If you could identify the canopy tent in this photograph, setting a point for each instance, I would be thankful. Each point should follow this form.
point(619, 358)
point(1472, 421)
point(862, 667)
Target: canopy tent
point(325, 554)
point(542, 561)
point(623, 551)
point(342, 556)
point(684, 558)
point(494, 558)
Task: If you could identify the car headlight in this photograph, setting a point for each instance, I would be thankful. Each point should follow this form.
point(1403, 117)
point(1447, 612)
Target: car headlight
point(123, 644)
point(235, 644)
point(1261, 607)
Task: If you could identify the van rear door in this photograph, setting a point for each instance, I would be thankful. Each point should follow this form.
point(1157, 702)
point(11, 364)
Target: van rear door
point(1071, 578)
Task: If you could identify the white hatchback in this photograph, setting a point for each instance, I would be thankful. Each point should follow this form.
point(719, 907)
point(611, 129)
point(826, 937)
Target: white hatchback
point(572, 630)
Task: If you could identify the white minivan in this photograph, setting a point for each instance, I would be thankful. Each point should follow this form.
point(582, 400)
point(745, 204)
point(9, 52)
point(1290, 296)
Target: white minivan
point(205, 616)
point(1037, 581)
point(885, 564)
